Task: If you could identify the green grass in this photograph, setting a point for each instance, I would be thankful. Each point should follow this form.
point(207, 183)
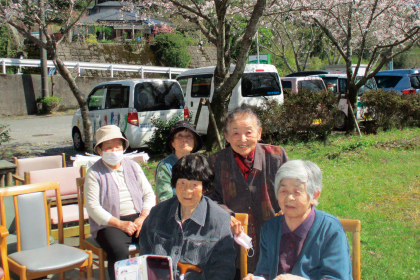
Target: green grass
point(374, 179)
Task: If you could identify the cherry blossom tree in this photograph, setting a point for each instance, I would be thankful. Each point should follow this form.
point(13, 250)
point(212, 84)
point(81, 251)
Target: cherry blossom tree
point(25, 14)
point(376, 30)
point(221, 22)
point(294, 39)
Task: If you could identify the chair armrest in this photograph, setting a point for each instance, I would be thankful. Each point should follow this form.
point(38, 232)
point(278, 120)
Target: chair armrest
point(18, 178)
point(3, 231)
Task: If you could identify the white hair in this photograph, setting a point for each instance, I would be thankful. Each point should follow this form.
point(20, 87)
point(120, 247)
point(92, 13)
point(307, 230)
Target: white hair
point(305, 171)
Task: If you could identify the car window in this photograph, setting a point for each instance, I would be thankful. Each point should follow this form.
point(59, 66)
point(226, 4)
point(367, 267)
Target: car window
point(183, 82)
point(312, 85)
point(342, 85)
point(371, 84)
point(260, 84)
point(117, 97)
point(158, 95)
point(95, 99)
point(331, 83)
point(286, 84)
point(387, 81)
point(201, 86)
point(415, 82)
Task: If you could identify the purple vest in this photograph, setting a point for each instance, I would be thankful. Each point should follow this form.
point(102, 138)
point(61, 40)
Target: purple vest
point(109, 193)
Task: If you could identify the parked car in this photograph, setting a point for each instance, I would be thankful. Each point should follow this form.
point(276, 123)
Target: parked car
point(130, 104)
point(404, 81)
point(296, 84)
point(259, 82)
point(338, 84)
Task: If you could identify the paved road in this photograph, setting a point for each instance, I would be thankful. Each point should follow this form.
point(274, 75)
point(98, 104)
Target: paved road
point(39, 129)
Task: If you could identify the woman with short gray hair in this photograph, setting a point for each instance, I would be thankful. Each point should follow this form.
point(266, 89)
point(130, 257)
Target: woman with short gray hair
point(305, 171)
point(303, 243)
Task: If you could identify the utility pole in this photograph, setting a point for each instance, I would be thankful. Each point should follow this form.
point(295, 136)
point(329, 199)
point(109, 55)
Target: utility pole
point(43, 52)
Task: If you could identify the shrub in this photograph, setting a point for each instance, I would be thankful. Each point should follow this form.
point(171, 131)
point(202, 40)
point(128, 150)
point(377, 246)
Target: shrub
point(157, 143)
point(386, 108)
point(171, 50)
point(91, 39)
point(410, 109)
point(302, 117)
point(49, 104)
point(4, 134)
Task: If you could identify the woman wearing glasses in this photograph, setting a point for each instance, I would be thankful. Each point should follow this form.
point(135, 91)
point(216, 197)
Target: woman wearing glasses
point(182, 141)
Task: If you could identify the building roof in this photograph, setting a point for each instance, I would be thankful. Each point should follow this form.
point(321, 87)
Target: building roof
point(110, 13)
point(113, 17)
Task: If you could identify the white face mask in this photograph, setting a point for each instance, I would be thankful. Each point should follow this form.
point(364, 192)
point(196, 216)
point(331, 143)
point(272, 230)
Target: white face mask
point(113, 158)
point(245, 241)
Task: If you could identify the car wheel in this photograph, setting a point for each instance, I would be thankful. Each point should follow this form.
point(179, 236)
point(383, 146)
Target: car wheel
point(77, 140)
point(340, 121)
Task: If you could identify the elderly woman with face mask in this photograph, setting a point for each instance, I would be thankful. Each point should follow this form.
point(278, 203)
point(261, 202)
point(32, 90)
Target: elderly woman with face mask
point(304, 243)
point(244, 181)
point(118, 196)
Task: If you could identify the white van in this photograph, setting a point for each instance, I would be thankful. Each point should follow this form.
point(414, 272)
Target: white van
point(259, 82)
point(131, 105)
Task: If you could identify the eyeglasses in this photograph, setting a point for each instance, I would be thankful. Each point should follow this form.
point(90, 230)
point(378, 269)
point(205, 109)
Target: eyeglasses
point(187, 137)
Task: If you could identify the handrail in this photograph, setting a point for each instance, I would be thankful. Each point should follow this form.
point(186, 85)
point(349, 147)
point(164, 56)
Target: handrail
point(111, 67)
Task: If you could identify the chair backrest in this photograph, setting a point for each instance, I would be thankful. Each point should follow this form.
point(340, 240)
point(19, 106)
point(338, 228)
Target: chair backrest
point(354, 226)
point(243, 218)
point(31, 213)
point(66, 176)
point(39, 163)
point(80, 182)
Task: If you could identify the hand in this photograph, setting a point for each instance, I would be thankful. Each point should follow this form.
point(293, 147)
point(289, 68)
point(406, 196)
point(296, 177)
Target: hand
point(235, 226)
point(249, 277)
point(127, 227)
point(288, 277)
point(139, 223)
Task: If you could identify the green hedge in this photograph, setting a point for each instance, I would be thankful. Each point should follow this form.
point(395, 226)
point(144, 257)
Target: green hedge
point(302, 117)
point(391, 109)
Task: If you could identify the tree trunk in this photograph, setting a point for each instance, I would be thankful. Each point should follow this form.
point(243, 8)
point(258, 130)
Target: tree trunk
point(352, 97)
point(219, 107)
point(81, 99)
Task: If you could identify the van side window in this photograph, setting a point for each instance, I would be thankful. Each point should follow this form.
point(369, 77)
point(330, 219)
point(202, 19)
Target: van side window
point(286, 84)
point(117, 97)
point(312, 85)
point(95, 99)
point(201, 86)
point(183, 82)
point(342, 85)
point(158, 95)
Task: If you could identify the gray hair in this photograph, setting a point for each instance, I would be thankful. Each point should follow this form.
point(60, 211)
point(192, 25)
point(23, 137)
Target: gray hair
point(305, 171)
point(243, 110)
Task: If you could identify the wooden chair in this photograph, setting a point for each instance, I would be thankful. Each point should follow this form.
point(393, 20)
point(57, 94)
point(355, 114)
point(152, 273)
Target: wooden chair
point(35, 257)
point(36, 163)
point(4, 269)
point(88, 242)
point(243, 218)
point(68, 188)
point(354, 226)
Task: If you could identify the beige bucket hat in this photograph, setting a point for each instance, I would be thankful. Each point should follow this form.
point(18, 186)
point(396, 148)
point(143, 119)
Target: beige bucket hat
point(109, 132)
